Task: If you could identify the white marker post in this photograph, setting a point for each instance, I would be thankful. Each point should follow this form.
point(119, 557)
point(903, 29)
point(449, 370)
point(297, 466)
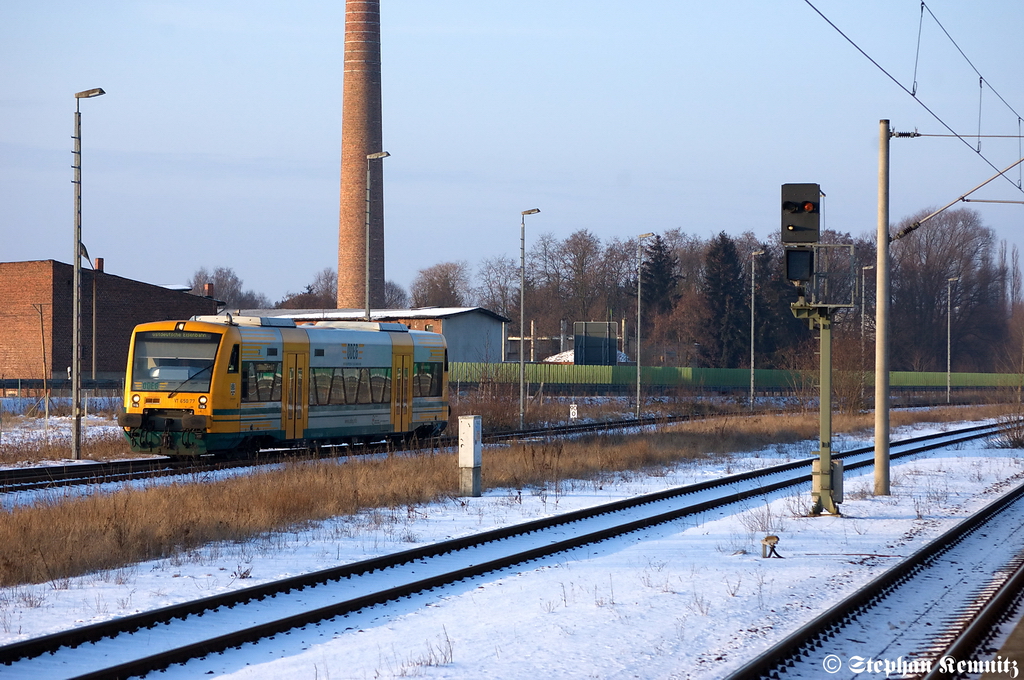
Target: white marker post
point(470, 455)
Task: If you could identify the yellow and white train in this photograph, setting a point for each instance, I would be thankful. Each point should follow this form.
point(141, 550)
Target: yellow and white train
point(217, 384)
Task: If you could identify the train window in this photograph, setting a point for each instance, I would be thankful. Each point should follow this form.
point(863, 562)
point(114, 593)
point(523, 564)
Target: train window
point(320, 380)
point(380, 385)
point(318, 352)
point(351, 384)
point(337, 386)
point(426, 379)
point(333, 386)
point(233, 361)
point(181, 361)
point(262, 381)
point(363, 394)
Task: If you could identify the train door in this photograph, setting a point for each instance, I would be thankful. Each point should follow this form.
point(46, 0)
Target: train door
point(294, 393)
point(401, 383)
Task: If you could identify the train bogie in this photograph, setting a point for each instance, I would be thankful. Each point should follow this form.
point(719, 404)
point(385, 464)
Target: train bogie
point(220, 384)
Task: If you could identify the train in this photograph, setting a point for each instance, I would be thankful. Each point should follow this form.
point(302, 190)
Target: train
point(233, 385)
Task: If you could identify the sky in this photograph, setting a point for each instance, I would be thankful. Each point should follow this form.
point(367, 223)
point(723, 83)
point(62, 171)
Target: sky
point(218, 140)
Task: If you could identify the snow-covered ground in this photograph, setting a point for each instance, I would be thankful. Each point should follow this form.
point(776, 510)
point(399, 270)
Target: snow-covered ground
point(693, 599)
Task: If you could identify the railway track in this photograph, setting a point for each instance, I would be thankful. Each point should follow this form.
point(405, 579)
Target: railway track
point(194, 629)
point(55, 476)
point(922, 617)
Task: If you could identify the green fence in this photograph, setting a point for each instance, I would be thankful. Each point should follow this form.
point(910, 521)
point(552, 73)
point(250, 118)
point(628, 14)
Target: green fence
point(710, 378)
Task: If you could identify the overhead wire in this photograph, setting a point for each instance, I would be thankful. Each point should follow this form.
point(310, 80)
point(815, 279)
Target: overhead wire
point(967, 59)
point(917, 54)
point(912, 94)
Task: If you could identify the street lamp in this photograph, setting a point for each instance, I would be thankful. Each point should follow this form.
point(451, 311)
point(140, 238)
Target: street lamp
point(366, 282)
point(76, 259)
point(639, 279)
point(753, 262)
point(522, 315)
point(949, 327)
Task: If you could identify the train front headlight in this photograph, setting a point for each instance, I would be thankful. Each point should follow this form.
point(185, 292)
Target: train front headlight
point(136, 399)
point(202, 401)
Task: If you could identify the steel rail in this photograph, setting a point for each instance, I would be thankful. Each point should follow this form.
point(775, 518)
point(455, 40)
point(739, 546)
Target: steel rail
point(78, 636)
point(55, 476)
point(811, 635)
point(983, 625)
point(51, 476)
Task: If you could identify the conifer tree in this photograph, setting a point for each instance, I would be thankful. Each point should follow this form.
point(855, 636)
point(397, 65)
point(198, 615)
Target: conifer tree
point(660, 276)
point(726, 312)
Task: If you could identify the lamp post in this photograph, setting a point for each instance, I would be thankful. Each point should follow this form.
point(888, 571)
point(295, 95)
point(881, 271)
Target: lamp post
point(366, 281)
point(639, 280)
point(522, 315)
point(76, 259)
point(949, 328)
point(753, 270)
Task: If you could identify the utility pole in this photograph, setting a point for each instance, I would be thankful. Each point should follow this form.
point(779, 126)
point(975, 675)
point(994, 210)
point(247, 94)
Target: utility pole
point(639, 279)
point(753, 275)
point(882, 316)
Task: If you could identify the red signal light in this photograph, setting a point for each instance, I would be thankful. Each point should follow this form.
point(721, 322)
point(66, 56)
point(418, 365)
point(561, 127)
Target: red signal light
point(800, 213)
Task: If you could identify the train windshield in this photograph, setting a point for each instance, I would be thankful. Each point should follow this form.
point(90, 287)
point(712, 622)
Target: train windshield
point(178, 361)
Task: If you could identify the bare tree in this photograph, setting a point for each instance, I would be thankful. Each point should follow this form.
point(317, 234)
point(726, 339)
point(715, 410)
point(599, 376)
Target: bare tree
point(619, 279)
point(228, 288)
point(443, 285)
point(545, 288)
point(395, 296)
point(955, 244)
point(582, 273)
point(322, 293)
point(544, 266)
point(499, 285)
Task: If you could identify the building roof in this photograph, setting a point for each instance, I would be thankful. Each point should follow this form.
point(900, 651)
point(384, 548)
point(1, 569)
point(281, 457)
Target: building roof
point(375, 314)
point(569, 357)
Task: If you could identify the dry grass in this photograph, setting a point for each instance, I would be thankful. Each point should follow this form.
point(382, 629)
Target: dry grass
point(98, 445)
point(498, 405)
point(58, 539)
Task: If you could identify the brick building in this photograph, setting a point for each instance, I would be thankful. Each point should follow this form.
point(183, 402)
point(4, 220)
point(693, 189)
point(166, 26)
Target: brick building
point(36, 305)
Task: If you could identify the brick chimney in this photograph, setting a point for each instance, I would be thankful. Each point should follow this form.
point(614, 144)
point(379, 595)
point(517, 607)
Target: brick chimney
point(208, 290)
point(361, 134)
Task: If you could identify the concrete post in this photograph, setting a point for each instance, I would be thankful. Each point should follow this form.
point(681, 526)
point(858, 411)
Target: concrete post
point(882, 317)
point(470, 455)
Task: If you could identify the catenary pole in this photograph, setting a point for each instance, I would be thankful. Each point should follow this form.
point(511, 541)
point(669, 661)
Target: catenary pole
point(882, 317)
